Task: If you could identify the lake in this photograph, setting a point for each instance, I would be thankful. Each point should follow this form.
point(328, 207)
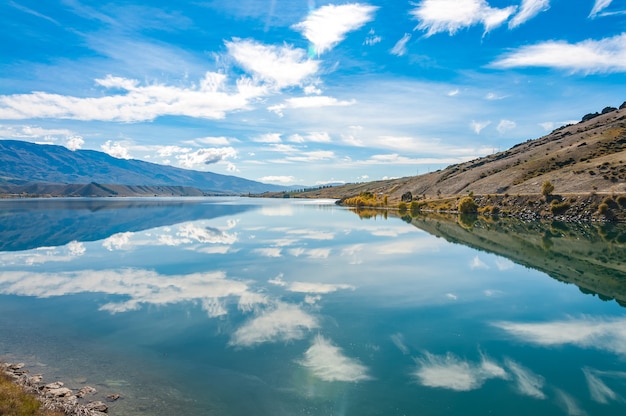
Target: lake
point(238, 306)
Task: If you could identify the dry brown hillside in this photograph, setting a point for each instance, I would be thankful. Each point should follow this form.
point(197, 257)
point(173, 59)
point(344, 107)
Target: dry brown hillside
point(585, 157)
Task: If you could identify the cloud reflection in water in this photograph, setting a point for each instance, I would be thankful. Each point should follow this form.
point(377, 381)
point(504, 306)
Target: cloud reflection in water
point(285, 322)
point(327, 362)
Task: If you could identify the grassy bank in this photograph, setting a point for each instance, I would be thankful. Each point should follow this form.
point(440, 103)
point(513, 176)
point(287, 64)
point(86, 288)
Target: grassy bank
point(14, 401)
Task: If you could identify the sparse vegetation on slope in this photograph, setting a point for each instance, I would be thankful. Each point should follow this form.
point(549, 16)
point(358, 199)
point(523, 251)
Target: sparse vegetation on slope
point(578, 161)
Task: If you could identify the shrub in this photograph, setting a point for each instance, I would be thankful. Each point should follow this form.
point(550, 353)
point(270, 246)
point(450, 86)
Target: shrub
point(467, 205)
point(402, 206)
point(415, 207)
point(547, 188)
point(621, 200)
point(603, 208)
point(557, 208)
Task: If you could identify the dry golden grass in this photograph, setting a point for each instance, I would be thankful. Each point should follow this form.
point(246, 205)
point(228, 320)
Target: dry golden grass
point(15, 402)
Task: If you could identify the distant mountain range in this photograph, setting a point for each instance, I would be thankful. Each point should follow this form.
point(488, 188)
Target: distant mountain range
point(35, 169)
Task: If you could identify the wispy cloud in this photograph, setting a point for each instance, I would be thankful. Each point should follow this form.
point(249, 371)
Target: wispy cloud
point(309, 102)
point(528, 10)
point(604, 334)
point(478, 126)
point(285, 179)
point(328, 362)
point(436, 16)
point(589, 56)
point(527, 382)
point(327, 26)
point(399, 49)
point(320, 288)
point(598, 6)
point(506, 125)
point(450, 372)
point(598, 389)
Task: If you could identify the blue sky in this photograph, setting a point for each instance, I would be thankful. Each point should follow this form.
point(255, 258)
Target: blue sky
point(302, 91)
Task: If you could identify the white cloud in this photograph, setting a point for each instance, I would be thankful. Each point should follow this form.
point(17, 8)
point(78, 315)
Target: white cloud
point(454, 92)
point(316, 137)
point(590, 56)
point(528, 10)
point(310, 102)
point(268, 138)
point(140, 286)
point(115, 149)
point(450, 372)
point(477, 263)
point(327, 26)
point(37, 134)
point(308, 287)
point(527, 382)
point(74, 142)
point(277, 179)
point(399, 49)
point(279, 66)
point(450, 16)
point(207, 156)
point(76, 248)
point(269, 251)
point(506, 125)
point(372, 39)
point(190, 232)
point(598, 389)
point(166, 151)
point(210, 99)
point(213, 141)
point(312, 234)
point(283, 323)
point(478, 126)
point(117, 241)
point(598, 6)
point(569, 403)
point(313, 156)
point(604, 334)
point(327, 362)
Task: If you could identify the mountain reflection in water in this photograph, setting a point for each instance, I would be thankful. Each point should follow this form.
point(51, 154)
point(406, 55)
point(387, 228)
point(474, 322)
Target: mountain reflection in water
point(238, 307)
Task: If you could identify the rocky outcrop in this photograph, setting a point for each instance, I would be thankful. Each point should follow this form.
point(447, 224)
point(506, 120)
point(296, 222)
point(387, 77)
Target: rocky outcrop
point(55, 396)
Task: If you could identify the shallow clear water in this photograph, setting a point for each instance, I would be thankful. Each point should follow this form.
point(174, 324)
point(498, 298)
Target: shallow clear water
point(236, 306)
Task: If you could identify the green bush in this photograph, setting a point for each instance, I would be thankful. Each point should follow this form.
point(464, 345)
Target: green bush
point(415, 207)
point(467, 205)
point(402, 206)
point(557, 208)
point(603, 208)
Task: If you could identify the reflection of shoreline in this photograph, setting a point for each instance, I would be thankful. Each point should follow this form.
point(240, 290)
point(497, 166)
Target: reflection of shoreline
point(25, 225)
point(588, 255)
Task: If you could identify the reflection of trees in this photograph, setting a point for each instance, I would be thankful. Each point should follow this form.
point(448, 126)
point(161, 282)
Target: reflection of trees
point(589, 255)
point(370, 213)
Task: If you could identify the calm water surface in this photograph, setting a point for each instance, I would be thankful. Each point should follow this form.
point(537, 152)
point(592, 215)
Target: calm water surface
point(236, 306)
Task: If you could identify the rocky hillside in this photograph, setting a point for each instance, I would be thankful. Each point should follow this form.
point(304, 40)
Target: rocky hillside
point(586, 157)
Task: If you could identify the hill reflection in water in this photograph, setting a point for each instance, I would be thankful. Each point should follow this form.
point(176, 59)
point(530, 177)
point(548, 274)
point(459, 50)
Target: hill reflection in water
point(590, 255)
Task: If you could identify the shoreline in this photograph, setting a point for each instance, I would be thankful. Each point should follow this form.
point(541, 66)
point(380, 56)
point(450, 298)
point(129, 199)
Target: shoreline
point(54, 396)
